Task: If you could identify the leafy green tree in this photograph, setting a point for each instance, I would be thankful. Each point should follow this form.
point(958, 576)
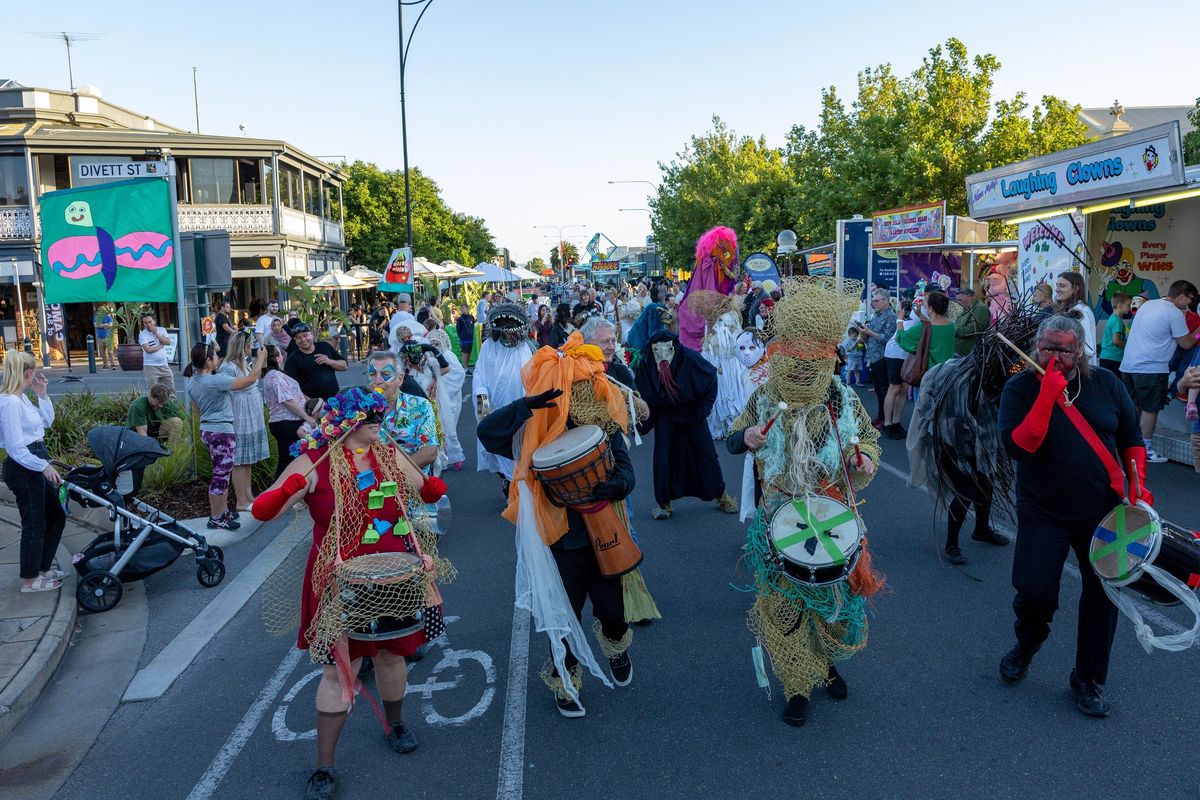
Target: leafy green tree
point(537, 264)
point(374, 200)
point(720, 178)
point(570, 254)
point(1191, 139)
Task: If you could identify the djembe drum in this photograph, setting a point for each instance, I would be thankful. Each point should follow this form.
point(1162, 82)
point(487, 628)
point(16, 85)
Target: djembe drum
point(381, 596)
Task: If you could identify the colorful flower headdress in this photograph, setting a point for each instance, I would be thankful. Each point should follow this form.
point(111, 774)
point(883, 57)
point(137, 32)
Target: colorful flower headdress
point(343, 413)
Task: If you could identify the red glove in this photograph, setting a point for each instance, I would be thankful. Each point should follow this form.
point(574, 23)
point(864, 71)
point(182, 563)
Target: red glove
point(432, 489)
point(1137, 485)
point(1030, 434)
point(268, 504)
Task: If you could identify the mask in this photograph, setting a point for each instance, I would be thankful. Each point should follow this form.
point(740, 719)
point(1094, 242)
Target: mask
point(1062, 345)
point(664, 352)
point(749, 349)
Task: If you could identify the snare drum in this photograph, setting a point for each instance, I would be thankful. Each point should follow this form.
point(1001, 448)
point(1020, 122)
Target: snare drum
point(569, 468)
point(381, 596)
point(818, 540)
point(1133, 536)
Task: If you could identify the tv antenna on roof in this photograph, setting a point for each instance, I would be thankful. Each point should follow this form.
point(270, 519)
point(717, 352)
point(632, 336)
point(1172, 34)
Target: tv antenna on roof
point(68, 38)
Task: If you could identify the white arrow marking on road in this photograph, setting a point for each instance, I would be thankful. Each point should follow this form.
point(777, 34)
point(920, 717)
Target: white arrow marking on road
point(220, 765)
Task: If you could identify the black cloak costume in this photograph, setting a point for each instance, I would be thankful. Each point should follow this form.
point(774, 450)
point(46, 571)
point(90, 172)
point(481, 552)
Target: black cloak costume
point(685, 460)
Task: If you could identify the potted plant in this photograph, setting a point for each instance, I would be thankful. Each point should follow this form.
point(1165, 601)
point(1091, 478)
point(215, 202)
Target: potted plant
point(128, 317)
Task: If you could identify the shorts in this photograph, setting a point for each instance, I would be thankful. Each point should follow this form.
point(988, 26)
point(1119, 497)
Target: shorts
point(893, 370)
point(1148, 390)
point(221, 447)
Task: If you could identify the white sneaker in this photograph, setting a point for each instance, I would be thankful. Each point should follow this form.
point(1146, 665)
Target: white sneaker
point(1153, 457)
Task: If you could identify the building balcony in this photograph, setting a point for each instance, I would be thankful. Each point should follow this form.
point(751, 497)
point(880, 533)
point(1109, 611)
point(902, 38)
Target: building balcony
point(257, 220)
point(16, 222)
point(309, 226)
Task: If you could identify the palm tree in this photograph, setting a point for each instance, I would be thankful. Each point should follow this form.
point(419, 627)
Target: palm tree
point(570, 254)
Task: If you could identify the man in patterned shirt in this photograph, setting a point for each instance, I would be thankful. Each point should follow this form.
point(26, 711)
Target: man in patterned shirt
point(410, 422)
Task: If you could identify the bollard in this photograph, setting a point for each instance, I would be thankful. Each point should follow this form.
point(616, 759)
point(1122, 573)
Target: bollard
point(344, 346)
point(91, 348)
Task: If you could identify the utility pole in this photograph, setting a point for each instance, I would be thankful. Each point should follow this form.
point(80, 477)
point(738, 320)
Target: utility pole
point(196, 97)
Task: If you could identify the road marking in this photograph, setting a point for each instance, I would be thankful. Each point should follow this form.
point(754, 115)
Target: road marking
point(279, 721)
point(1068, 567)
point(224, 759)
point(156, 678)
point(510, 783)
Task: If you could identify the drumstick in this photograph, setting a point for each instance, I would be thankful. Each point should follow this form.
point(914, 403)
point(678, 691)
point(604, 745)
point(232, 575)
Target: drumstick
point(1041, 370)
point(782, 408)
point(400, 450)
point(854, 440)
point(1135, 486)
point(325, 455)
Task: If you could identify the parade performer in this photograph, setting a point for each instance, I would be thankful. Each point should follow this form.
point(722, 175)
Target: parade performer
point(680, 388)
point(557, 567)
point(427, 366)
point(723, 324)
point(716, 270)
point(496, 381)
point(355, 489)
point(815, 448)
point(1069, 432)
point(449, 398)
point(752, 354)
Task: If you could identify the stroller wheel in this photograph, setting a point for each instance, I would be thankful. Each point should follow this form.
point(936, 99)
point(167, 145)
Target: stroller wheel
point(99, 591)
point(215, 552)
point(210, 573)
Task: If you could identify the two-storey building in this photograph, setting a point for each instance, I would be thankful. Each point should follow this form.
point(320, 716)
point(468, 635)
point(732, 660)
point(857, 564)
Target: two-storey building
point(281, 207)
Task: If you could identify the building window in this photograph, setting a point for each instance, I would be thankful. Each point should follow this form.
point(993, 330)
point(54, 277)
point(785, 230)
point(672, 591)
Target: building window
point(333, 210)
point(14, 181)
point(289, 188)
point(312, 196)
point(183, 183)
point(268, 182)
point(249, 181)
point(213, 181)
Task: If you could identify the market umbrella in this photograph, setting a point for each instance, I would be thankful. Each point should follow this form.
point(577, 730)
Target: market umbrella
point(364, 274)
point(336, 279)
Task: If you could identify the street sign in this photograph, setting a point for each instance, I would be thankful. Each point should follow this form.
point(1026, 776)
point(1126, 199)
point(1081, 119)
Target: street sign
point(92, 170)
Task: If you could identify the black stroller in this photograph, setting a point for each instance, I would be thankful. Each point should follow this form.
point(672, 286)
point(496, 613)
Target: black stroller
point(144, 540)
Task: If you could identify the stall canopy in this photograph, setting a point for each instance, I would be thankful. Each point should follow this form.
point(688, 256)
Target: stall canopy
point(491, 273)
point(336, 279)
point(525, 274)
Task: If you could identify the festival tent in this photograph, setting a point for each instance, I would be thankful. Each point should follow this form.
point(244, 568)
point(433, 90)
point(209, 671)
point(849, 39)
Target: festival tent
point(492, 273)
point(525, 274)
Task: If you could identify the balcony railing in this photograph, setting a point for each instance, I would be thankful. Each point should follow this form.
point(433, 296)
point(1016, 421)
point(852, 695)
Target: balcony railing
point(16, 222)
point(309, 226)
point(238, 220)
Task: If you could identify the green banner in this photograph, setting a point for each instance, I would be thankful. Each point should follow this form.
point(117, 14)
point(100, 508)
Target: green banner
point(110, 242)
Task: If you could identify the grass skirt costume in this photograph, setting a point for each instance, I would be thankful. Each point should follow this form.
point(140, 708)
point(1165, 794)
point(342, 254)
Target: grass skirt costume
point(806, 629)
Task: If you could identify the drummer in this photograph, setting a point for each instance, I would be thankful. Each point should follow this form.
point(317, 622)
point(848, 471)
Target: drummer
point(353, 471)
point(540, 417)
point(1064, 489)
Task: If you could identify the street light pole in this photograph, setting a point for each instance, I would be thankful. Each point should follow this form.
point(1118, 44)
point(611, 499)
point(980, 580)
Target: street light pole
point(404, 46)
point(561, 257)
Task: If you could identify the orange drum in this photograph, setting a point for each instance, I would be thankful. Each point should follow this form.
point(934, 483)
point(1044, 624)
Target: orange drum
point(569, 468)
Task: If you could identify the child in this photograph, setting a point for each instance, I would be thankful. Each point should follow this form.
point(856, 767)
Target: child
point(464, 326)
point(1116, 333)
point(852, 355)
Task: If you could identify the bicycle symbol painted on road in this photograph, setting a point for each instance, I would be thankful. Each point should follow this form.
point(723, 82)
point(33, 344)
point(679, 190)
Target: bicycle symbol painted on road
point(447, 674)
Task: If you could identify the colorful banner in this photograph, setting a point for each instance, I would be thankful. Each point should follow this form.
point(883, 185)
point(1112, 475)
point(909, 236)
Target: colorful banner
point(109, 243)
point(1135, 162)
point(761, 267)
point(1046, 248)
point(923, 224)
point(398, 275)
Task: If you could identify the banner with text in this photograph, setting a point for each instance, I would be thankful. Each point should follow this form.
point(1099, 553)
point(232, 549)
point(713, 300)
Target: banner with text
point(896, 227)
point(1046, 248)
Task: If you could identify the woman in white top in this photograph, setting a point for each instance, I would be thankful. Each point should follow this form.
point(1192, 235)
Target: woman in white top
point(1070, 297)
point(28, 473)
point(249, 422)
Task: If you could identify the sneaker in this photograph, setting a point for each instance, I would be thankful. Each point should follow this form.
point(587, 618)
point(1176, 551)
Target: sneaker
point(567, 707)
point(321, 785)
point(1015, 664)
point(621, 668)
point(224, 522)
point(990, 537)
point(401, 739)
point(661, 512)
point(954, 556)
point(896, 431)
point(1153, 457)
point(1088, 696)
point(796, 713)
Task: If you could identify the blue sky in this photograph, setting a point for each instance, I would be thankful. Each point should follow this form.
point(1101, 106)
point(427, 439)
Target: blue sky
point(522, 111)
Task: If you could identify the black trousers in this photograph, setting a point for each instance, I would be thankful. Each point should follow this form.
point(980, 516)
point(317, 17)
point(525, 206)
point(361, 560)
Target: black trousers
point(879, 380)
point(1041, 551)
point(42, 518)
point(967, 491)
point(583, 580)
point(284, 432)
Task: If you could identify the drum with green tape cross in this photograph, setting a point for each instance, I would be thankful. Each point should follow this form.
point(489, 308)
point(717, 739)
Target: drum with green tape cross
point(1132, 536)
point(818, 539)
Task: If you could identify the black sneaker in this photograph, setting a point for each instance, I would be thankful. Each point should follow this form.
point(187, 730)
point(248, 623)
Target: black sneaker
point(224, 522)
point(837, 687)
point(796, 713)
point(401, 739)
point(1088, 696)
point(896, 431)
point(621, 668)
point(567, 707)
point(990, 537)
point(321, 785)
point(954, 556)
point(1015, 664)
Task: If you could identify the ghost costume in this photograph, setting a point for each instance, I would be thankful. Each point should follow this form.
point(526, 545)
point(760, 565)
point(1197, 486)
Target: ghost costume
point(497, 378)
point(752, 355)
point(720, 350)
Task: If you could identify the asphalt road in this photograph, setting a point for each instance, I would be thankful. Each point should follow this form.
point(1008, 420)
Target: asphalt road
point(927, 715)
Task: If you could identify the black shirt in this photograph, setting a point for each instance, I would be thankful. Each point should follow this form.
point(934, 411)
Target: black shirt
point(220, 320)
point(1064, 478)
point(316, 380)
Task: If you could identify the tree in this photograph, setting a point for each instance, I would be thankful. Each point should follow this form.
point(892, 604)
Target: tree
point(570, 253)
point(374, 201)
point(1191, 139)
point(537, 264)
point(720, 178)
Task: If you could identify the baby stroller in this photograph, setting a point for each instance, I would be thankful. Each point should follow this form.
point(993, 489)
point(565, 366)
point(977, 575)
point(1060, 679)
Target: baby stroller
point(144, 540)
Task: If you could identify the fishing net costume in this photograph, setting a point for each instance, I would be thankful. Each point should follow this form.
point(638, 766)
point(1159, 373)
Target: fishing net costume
point(805, 629)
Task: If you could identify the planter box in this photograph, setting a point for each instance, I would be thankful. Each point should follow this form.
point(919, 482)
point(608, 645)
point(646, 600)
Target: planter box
point(129, 356)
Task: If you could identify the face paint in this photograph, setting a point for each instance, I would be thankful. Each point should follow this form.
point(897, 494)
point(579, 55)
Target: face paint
point(385, 375)
point(1062, 345)
point(663, 351)
point(749, 349)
